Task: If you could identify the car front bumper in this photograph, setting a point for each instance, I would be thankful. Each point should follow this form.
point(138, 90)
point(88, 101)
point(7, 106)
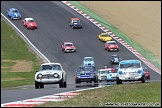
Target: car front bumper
point(49, 81)
point(130, 78)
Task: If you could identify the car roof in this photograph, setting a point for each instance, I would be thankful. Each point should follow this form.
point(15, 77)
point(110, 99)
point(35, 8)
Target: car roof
point(110, 41)
point(127, 61)
point(74, 18)
point(51, 64)
point(29, 19)
point(13, 9)
point(68, 43)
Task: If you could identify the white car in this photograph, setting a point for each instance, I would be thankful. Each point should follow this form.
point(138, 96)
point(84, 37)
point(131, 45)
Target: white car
point(50, 73)
point(130, 70)
point(88, 61)
point(102, 74)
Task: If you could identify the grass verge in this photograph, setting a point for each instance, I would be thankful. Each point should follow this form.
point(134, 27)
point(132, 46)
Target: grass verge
point(18, 62)
point(135, 94)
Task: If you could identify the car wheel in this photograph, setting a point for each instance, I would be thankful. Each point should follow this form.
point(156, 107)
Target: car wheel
point(72, 27)
point(64, 51)
point(61, 84)
point(95, 80)
point(118, 81)
point(149, 77)
point(41, 85)
point(143, 79)
point(77, 81)
point(37, 85)
point(99, 81)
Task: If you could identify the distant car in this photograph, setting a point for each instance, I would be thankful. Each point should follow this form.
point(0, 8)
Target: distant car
point(111, 46)
point(130, 70)
point(75, 23)
point(115, 59)
point(104, 37)
point(29, 23)
point(50, 73)
point(147, 72)
point(86, 74)
point(111, 76)
point(88, 61)
point(68, 47)
point(13, 13)
point(102, 74)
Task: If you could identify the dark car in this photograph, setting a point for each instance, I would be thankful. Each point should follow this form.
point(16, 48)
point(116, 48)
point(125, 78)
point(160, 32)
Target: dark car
point(75, 23)
point(86, 74)
point(115, 59)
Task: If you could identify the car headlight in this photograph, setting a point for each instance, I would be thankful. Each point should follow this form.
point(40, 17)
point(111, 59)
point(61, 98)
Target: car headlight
point(139, 71)
point(56, 75)
point(92, 75)
point(120, 72)
point(39, 76)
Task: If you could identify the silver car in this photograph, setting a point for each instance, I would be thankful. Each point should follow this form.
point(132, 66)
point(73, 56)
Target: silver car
point(50, 73)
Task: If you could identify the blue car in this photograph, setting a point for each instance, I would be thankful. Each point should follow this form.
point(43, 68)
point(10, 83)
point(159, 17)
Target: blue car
point(86, 74)
point(88, 61)
point(13, 13)
point(111, 76)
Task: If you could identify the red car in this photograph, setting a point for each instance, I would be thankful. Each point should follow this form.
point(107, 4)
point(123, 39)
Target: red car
point(29, 23)
point(68, 47)
point(111, 46)
point(147, 73)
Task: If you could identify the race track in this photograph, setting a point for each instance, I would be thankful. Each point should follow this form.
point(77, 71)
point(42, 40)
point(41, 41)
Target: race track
point(52, 19)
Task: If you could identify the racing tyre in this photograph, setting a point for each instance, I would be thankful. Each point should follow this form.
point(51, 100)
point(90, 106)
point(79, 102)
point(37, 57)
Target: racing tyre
point(37, 85)
point(77, 82)
point(61, 84)
point(41, 85)
point(118, 81)
point(64, 51)
point(143, 79)
point(99, 81)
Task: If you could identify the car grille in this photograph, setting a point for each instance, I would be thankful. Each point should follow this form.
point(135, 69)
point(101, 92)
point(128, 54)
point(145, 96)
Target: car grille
point(49, 76)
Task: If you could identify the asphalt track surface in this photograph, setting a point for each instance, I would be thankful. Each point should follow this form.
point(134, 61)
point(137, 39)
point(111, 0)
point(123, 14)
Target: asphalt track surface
point(52, 18)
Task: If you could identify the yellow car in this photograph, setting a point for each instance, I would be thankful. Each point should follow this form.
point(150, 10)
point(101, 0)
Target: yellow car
point(104, 37)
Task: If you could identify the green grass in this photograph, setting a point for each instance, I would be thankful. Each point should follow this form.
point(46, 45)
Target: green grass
point(14, 48)
point(132, 93)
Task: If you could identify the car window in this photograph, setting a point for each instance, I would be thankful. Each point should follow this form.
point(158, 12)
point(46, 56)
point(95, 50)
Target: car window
point(50, 67)
point(112, 43)
point(15, 11)
point(104, 35)
point(30, 20)
point(68, 44)
point(127, 65)
point(88, 59)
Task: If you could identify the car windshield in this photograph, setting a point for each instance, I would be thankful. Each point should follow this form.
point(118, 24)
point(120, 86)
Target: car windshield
point(103, 72)
point(15, 11)
point(30, 20)
point(76, 21)
point(104, 35)
point(50, 67)
point(115, 56)
point(88, 68)
point(88, 59)
point(111, 43)
point(132, 65)
point(68, 44)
